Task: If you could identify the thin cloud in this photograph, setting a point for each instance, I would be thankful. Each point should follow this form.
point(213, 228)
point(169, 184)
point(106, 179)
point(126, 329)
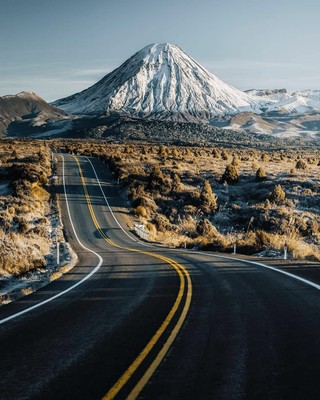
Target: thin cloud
point(264, 74)
point(92, 71)
point(248, 64)
point(56, 83)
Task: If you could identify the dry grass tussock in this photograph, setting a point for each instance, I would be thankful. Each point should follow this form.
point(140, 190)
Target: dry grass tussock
point(25, 169)
point(210, 197)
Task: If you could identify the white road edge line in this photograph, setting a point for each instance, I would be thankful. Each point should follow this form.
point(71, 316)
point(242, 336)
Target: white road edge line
point(306, 281)
point(110, 209)
point(27, 310)
point(280, 271)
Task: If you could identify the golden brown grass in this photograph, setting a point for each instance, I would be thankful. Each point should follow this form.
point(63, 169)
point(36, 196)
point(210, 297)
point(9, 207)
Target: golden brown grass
point(259, 198)
point(24, 235)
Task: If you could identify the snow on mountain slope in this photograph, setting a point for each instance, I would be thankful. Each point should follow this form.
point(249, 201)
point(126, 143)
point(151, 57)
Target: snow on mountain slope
point(306, 101)
point(161, 81)
point(279, 100)
point(311, 94)
point(269, 94)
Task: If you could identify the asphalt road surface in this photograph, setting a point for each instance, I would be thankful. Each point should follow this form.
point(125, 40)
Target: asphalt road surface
point(138, 321)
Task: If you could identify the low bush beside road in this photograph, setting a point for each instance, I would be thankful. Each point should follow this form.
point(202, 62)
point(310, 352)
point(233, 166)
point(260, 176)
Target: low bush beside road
point(212, 197)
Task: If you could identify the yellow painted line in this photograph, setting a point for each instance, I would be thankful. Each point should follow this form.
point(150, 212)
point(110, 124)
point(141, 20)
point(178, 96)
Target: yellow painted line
point(185, 287)
point(156, 362)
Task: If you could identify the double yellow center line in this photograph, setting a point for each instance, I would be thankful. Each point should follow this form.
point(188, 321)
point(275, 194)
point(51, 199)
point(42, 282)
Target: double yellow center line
point(184, 293)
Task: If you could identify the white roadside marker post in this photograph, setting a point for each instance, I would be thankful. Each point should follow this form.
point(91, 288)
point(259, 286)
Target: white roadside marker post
point(58, 253)
point(235, 247)
point(285, 251)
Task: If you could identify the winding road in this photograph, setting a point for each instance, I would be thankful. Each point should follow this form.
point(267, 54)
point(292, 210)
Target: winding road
point(133, 320)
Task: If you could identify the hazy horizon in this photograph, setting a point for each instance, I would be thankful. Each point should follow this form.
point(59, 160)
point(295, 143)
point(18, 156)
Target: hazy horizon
point(57, 49)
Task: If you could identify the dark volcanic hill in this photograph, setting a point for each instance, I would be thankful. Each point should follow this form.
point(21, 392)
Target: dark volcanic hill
point(26, 113)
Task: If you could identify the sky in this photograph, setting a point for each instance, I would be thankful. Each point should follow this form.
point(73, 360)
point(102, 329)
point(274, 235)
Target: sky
point(57, 48)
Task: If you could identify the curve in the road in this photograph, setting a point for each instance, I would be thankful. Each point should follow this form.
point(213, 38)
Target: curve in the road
point(293, 276)
point(185, 293)
point(29, 309)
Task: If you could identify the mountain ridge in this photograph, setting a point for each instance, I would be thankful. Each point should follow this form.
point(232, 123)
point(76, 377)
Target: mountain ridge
point(163, 82)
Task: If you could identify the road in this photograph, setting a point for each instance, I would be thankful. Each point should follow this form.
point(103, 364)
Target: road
point(134, 321)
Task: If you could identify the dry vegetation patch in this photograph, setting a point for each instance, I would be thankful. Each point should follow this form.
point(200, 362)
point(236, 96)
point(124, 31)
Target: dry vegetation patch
point(208, 197)
point(25, 169)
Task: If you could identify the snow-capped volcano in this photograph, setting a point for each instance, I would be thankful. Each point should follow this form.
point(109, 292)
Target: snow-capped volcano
point(161, 81)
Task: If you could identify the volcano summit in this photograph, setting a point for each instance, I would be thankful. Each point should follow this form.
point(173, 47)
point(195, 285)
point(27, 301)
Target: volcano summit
point(161, 82)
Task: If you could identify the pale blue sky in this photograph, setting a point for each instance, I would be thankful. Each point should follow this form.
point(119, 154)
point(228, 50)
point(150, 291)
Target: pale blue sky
point(56, 48)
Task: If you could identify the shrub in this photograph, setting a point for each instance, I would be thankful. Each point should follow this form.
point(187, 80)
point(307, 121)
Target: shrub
point(231, 174)
point(205, 228)
point(175, 153)
point(261, 175)
point(255, 164)
point(156, 180)
point(141, 211)
point(267, 204)
point(224, 155)
point(163, 152)
point(146, 202)
point(235, 161)
point(293, 171)
point(162, 223)
point(301, 164)
point(263, 239)
point(189, 210)
point(136, 190)
point(151, 229)
point(176, 183)
point(278, 195)
point(208, 200)
point(215, 153)
point(265, 157)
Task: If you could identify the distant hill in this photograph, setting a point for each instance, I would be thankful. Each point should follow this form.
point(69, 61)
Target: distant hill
point(26, 113)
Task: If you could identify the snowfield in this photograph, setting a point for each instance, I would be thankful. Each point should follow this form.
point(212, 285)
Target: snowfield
point(163, 81)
